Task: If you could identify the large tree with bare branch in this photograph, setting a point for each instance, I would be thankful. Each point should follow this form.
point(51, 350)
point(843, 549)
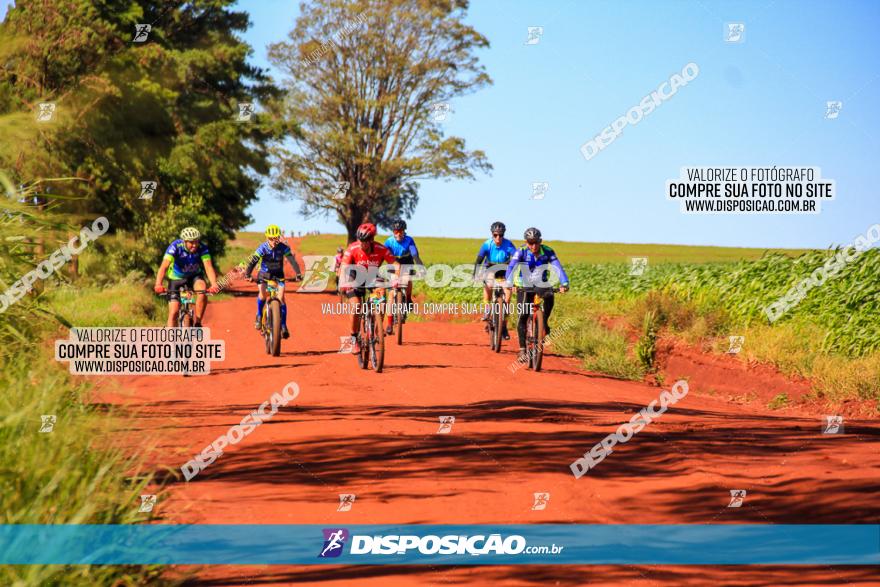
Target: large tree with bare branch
point(365, 80)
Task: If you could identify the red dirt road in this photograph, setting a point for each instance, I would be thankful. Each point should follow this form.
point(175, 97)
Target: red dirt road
point(375, 435)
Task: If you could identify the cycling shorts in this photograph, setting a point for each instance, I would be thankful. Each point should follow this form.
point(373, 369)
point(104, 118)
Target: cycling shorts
point(175, 285)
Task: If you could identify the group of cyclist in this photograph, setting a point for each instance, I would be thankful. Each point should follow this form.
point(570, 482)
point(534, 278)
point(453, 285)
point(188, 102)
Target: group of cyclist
point(187, 262)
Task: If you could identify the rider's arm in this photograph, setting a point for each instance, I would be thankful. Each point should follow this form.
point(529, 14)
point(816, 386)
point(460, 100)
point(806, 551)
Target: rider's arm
point(414, 251)
point(291, 258)
point(512, 265)
point(255, 258)
point(209, 269)
point(481, 256)
point(163, 269)
point(554, 261)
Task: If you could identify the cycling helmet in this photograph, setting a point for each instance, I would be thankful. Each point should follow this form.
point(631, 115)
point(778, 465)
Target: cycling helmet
point(366, 231)
point(532, 234)
point(498, 227)
point(398, 224)
point(190, 233)
point(272, 231)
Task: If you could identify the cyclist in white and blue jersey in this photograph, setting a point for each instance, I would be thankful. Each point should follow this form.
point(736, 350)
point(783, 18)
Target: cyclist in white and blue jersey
point(491, 263)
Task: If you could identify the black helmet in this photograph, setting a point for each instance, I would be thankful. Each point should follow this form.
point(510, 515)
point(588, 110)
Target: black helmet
point(498, 227)
point(532, 234)
point(399, 224)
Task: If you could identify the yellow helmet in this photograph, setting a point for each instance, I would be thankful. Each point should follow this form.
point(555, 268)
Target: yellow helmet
point(272, 231)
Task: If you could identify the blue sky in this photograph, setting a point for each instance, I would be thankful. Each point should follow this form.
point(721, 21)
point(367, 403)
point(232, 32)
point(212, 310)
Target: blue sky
point(760, 103)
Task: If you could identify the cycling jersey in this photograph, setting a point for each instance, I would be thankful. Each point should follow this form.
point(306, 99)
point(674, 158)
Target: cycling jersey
point(271, 259)
point(493, 253)
point(534, 269)
point(185, 264)
point(356, 255)
point(405, 251)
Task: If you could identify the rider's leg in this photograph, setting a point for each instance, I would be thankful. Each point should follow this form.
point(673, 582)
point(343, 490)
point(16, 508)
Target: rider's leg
point(487, 293)
point(201, 299)
point(523, 319)
point(280, 294)
point(173, 308)
point(261, 299)
point(549, 300)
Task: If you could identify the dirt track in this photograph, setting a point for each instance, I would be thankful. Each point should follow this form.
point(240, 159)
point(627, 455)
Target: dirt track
point(375, 435)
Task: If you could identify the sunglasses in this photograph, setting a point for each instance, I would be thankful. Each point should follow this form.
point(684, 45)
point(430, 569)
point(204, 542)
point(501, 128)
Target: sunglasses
point(498, 234)
point(532, 242)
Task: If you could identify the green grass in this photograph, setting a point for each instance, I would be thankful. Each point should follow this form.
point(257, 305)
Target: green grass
point(464, 250)
point(71, 475)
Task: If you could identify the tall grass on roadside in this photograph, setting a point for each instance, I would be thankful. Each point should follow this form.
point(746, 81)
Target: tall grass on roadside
point(68, 475)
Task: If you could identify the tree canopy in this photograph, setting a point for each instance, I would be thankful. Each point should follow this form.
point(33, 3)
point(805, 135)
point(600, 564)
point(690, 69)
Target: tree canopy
point(364, 79)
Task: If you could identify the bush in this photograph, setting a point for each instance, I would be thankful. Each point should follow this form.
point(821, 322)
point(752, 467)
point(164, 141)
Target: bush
point(144, 252)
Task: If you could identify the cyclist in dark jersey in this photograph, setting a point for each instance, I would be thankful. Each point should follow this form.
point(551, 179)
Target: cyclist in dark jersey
point(404, 249)
point(271, 255)
point(186, 262)
point(532, 267)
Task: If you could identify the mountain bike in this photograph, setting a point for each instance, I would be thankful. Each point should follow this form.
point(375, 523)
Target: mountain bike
point(497, 317)
point(186, 311)
point(536, 328)
point(270, 320)
point(398, 311)
point(371, 338)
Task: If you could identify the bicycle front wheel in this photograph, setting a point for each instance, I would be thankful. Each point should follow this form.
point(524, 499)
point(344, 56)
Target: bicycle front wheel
point(274, 327)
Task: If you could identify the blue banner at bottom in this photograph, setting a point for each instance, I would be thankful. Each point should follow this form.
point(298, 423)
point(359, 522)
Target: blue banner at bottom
point(722, 544)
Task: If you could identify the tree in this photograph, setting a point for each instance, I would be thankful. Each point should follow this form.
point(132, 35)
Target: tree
point(363, 78)
point(162, 110)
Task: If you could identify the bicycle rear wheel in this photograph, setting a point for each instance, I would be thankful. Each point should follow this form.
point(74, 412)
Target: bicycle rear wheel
point(274, 327)
point(185, 318)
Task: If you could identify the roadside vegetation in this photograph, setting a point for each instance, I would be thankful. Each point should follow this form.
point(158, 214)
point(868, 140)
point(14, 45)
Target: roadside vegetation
point(703, 295)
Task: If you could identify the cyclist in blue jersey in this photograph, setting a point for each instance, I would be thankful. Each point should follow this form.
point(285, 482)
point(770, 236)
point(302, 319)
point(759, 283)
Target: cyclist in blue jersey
point(531, 266)
point(186, 262)
point(403, 248)
point(491, 263)
point(271, 255)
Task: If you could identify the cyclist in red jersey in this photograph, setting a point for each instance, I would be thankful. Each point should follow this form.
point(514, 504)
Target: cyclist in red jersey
point(366, 253)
